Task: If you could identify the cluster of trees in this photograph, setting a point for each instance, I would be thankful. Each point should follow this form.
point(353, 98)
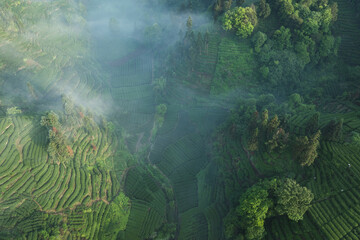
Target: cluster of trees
point(53, 226)
point(117, 217)
point(311, 16)
point(305, 148)
point(270, 135)
point(58, 146)
point(263, 9)
point(305, 38)
point(268, 132)
point(266, 199)
point(277, 134)
point(62, 129)
point(241, 20)
point(194, 44)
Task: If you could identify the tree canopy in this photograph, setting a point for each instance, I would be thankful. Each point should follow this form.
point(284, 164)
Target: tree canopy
point(253, 208)
point(292, 199)
point(265, 199)
point(241, 20)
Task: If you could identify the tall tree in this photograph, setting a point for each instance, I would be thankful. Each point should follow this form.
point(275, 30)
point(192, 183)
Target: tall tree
point(253, 208)
point(305, 149)
point(189, 24)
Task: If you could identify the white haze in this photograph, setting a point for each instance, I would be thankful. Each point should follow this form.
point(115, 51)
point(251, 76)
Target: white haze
point(132, 17)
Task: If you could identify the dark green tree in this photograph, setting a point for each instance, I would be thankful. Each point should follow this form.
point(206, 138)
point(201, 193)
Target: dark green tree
point(264, 70)
point(232, 226)
point(167, 231)
point(305, 149)
point(258, 40)
point(278, 141)
point(312, 125)
point(239, 2)
point(282, 38)
point(292, 199)
point(286, 8)
point(118, 215)
point(268, 198)
point(333, 130)
point(327, 46)
point(264, 9)
point(301, 49)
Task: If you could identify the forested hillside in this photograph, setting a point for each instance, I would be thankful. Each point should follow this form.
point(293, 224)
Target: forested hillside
point(191, 119)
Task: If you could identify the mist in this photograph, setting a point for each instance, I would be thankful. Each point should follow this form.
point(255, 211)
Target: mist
point(140, 21)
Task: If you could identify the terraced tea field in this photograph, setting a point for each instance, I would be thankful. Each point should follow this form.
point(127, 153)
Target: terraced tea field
point(182, 154)
point(125, 160)
point(348, 28)
point(32, 181)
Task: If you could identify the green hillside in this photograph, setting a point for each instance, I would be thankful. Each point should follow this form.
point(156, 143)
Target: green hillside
point(179, 119)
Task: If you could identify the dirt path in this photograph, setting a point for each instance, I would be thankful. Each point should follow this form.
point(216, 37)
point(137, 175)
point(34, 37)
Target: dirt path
point(257, 172)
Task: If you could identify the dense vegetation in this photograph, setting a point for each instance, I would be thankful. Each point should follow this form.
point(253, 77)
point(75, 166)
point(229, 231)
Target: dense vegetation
point(205, 120)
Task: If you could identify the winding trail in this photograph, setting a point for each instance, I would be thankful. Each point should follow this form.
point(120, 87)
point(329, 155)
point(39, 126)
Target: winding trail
point(257, 172)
